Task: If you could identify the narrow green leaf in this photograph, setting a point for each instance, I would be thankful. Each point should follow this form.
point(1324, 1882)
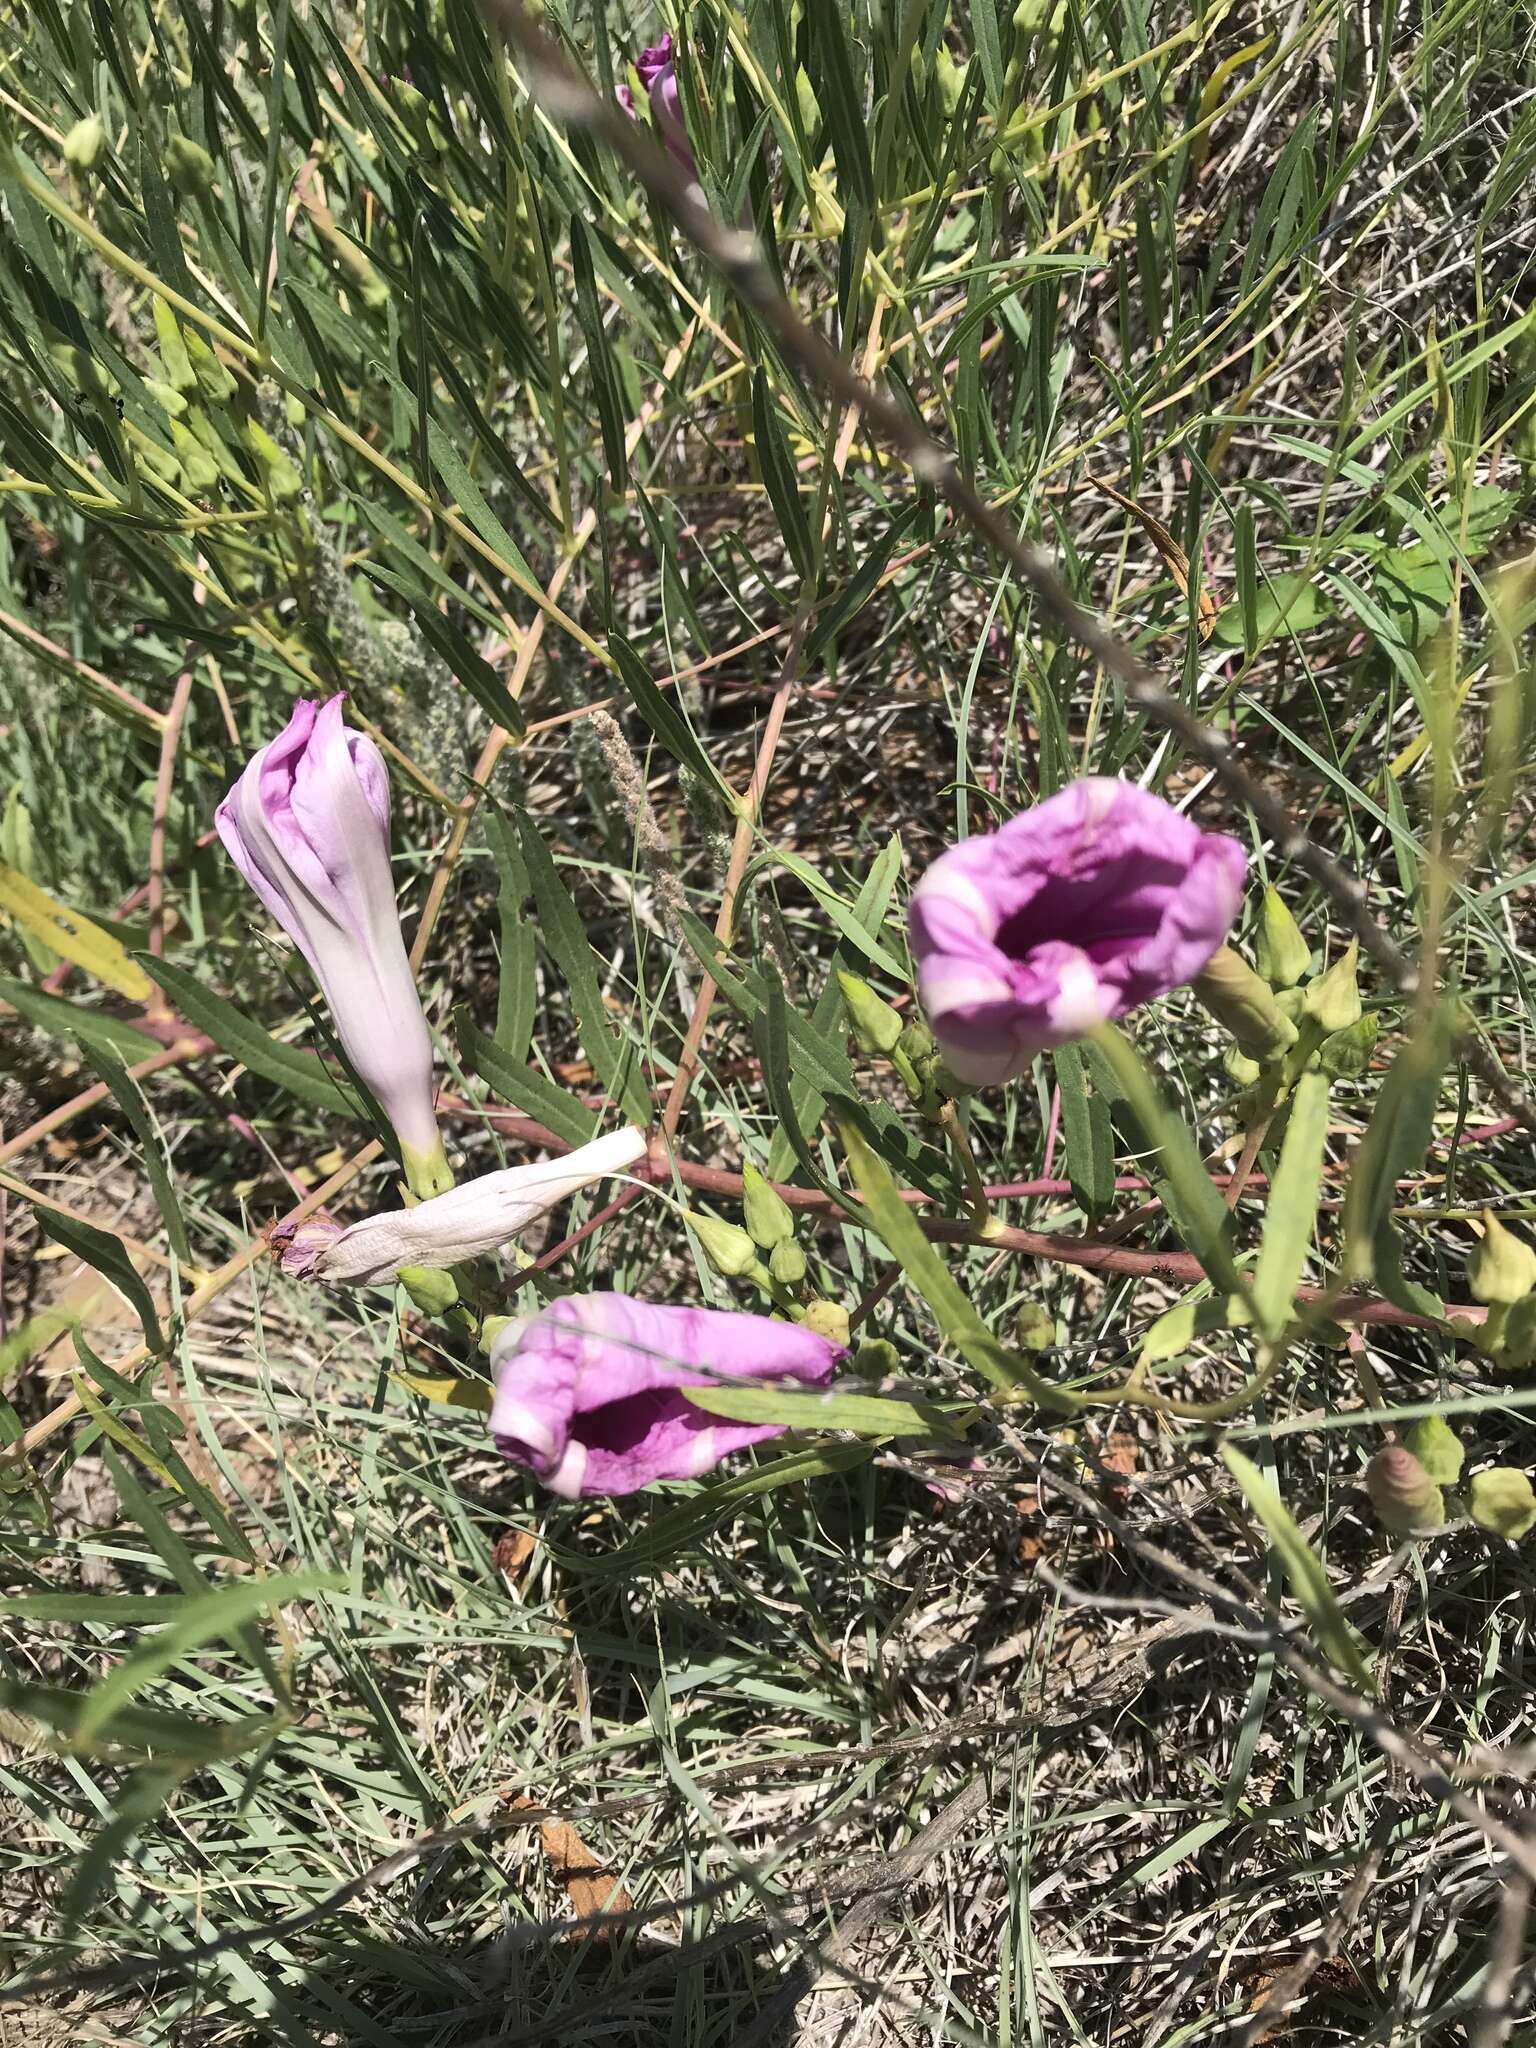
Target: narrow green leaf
point(130, 1099)
point(894, 1223)
point(665, 717)
point(1393, 1147)
point(527, 1089)
point(670, 1532)
point(868, 916)
point(841, 100)
point(220, 1615)
point(589, 314)
point(780, 477)
point(455, 652)
point(1291, 1214)
point(864, 1414)
point(517, 992)
point(135, 1728)
point(300, 1072)
point(1197, 1208)
point(566, 938)
point(1087, 1134)
point(61, 1019)
point(1340, 1643)
point(99, 1248)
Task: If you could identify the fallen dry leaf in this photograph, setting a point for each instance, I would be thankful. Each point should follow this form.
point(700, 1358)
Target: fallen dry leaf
point(1175, 561)
point(590, 1887)
point(513, 1549)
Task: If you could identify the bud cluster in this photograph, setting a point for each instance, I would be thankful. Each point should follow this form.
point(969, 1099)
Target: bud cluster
point(766, 1253)
point(1284, 1019)
point(1501, 1274)
point(879, 1031)
point(1410, 1486)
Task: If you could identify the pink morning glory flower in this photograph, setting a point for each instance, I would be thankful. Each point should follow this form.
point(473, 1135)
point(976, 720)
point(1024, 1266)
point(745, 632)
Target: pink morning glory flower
point(466, 1223)
point(1071, 915)
point(587, 1391)
point(307, 824)
point(657, 71)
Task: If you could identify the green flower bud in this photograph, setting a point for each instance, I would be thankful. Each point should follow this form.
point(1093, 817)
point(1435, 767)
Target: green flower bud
point(433, 1293)
point(810, 112)
point(1347, 1054)
point(1291, 1002)
point(876, 1358)
point(769, 1217)
point(198, 467)
point(407, 98)
point(875, 1025)
point(1503, 1267)
point(1240, 1068)
point(179, 373)
point(1502, 1501)
point(1244, 1004)
point(1284, 956)
point(276, 466)
point(1512, 1328)
point(949, 76)
point(213, 380)
point(786, 1262)
point(1333, 999)
point(919, 1044)
point(1034, 1328)
point(827, 1319)
point(166, 396)
point(726, 1246)
point(188, 166)
point(1405, 1498)
point(84, 143)
point(1438, 1449)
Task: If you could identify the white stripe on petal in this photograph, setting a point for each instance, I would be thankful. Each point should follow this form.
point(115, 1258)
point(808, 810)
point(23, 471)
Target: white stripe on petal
point(944, 883)
point(513, 1418)
point(949, 983)
point(568, 1474)
point(1080, 1004)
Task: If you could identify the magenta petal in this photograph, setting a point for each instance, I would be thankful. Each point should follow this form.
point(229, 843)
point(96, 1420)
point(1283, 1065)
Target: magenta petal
point(307, 825)
point(587, 1391)
point(1073, 913)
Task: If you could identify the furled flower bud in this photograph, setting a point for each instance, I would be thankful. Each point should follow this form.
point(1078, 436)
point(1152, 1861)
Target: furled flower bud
point(1073, 913)
point(769, 1217)
point(188, 166)
point(1503, 1267)
point(657, 71)
point(727, 1246)
point(1244, 1003)
point(1333, 1000)
point(466, 1222)
point(83, 144)
point(1438, 1449)
point(1405, 1498)
point(1502, 1501)
point(876, 1358)
point(1284, 956)
point(875, 1025)
point(299, 1247)
point(307, 824)
point(589, 1391)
